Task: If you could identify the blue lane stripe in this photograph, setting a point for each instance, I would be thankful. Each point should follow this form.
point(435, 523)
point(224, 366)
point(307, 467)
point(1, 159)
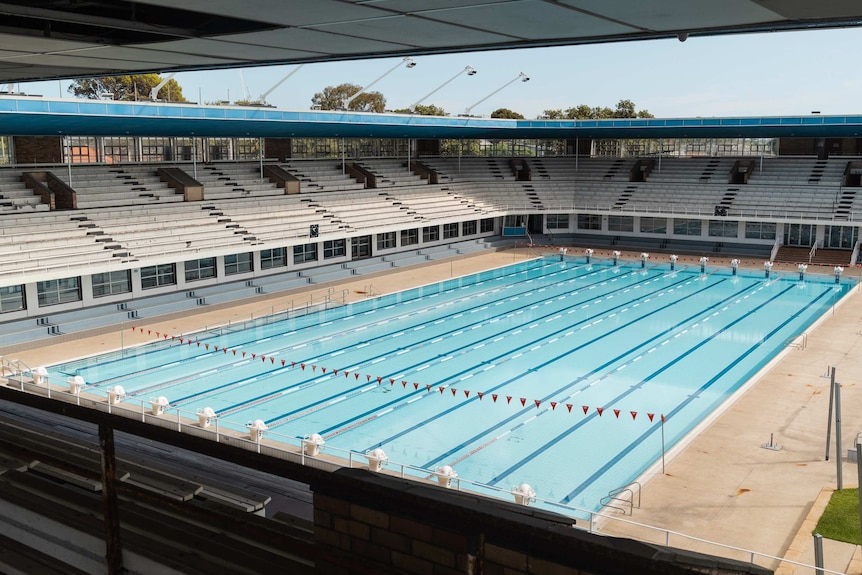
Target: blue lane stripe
point(688, 400)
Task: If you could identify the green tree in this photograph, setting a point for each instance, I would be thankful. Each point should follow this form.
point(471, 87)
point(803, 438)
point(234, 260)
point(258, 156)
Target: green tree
point(335, 98)
point(506, 113)
point(623, 109)
point(135, 87)
point(423, 110)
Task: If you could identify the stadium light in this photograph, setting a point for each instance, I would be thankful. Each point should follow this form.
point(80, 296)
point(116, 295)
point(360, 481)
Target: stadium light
point(522, 77)
point(154, 93)
point(262, 99)
point(406, 60)
point(469, 70)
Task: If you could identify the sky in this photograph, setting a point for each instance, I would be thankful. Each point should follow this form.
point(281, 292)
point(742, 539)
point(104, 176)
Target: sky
point(769, 74)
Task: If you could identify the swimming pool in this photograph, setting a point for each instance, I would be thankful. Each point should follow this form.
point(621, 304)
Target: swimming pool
point(547, 372)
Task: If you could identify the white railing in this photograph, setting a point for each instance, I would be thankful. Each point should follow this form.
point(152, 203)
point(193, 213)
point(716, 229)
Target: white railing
point(290, 448)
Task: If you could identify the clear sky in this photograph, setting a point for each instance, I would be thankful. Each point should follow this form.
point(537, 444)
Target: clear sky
point(782, 73)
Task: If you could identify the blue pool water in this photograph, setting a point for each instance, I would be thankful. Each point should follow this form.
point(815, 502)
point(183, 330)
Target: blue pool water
point(500, 375)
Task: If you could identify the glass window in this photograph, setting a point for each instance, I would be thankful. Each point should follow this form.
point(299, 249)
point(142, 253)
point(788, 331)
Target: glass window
point(487, 225)
point(201, 269)
point(53, 292)
point(334, 248)
point(118, 150)
point(620, 224)
point(386, 241)
point(450, 231)
point(557, 221)
point(430, 234)
point(238, 263)
point(12, 298)
point(157, 276)
point(273, 258)
point(653, 225)
point(589, 222)
point(247, 148)
point(82, 150)
point(304, 253)
point(686, 227)
point(410, 237)
point(156, 150)
point(468, 228)
point(760, 230)
point(723, 229)
point(111, 283)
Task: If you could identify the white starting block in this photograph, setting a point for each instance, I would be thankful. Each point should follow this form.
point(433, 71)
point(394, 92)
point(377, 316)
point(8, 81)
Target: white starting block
point(76, 384)
point(116, 394)
point(256, 429)
point(377, 458)
point(159, 404)
point(205, 416)
point(311, 444)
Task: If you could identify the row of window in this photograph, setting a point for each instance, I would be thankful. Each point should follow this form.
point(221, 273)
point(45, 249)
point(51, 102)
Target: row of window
point(650, 225)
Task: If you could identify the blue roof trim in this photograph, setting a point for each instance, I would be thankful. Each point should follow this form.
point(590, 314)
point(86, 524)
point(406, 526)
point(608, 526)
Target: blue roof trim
point(32, 116)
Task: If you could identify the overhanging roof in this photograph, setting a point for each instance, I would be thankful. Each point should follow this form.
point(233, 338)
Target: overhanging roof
point(41, 39)
point(45, 117)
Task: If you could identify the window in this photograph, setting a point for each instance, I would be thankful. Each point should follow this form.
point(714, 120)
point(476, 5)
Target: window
point(589, 222)
point(334, 249)
point(686, 227)
point(247, 148)
point(238, 264)
point(487, 225)
point(156, 150)
point(468, 228)
point(201, 269)
point(53, 292)
point(450, 231)
point(304, 253)
point(760, 230)
point(386, 241)
point(12, 298)
point(273, 258)
point(653, 225)
point(157, 276)
point(82, 150)
point(430, 234)
point(410, 237)
point(557, 221)
point(111, 283)
point(723, 229)
point(620, 224)
point(118, 150)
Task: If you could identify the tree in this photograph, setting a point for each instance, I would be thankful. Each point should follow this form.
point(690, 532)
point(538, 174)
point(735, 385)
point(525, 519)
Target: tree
point(506, 113)
point(136, 87)
point(624, 109)
point(335, 98)
point(423, 110)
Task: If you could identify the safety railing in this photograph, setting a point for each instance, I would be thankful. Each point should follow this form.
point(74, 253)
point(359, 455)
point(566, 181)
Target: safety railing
point(615, 498)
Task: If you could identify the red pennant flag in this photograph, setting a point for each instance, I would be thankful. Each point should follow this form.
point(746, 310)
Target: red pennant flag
point(133, 328)
point(188, 341)
point(428, 388)
point(480, 394)
point(650, 415)
point(634, 415)
point(313, 368)
point(215, 347)
point(181, 340)
point(586, 408)
point(538, 401)
point(335, 371)
point(199, 344)
point(243, 354)
point(663, 418)
point(403, 384)
point(165, 336)
point(234, 351)
point(158, 334)
point(149, 332)
point(346, 373)
point(292, 364)
point(617, 413)
point(415, 385)
point(494, 397)
point(391, 381)
point(379, 380)
point(206, 345)
point(368, 377)
point(254, 356)
point(263, 358)
point(357, 375)
point(173, 337)
point(600, 410)
point(282, 363)
point(323, 369)
point(466, 393)
point(508, 399)
point(441, 389)
point(271, 360)
point(453, 392)
point(224, 350)
point(553, 405)
point(302, 365)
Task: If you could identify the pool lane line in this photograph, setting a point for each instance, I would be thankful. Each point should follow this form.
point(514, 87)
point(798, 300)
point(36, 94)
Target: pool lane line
point(568, 385)
point(416, 299)
point(601, 471)
point(329, 400)
point(389, 351)
point(631, 389)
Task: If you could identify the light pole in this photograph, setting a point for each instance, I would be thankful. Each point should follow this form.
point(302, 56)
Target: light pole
point(522, 77)
point(262, 99)
point(469, 70)
point(407, 60)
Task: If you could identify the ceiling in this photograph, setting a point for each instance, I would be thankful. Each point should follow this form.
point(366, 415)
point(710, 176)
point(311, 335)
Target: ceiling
point(44, 39)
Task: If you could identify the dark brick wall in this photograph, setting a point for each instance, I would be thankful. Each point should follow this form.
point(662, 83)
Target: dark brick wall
point(279, 148)
point(38, 149)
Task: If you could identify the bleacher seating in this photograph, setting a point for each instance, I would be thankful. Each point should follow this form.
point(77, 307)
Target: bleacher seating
point(104, 186)
point(321, 176)
point(233, 180)
point(14, 194)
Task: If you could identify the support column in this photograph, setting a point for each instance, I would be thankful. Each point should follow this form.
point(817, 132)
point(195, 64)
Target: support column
point(113, 549)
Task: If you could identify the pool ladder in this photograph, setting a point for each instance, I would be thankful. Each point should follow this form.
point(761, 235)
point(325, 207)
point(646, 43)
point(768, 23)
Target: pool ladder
point(799, 342)
point(616, 498)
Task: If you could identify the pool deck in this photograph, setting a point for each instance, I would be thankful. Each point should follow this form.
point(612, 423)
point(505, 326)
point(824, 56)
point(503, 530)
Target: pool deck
point(722, 485)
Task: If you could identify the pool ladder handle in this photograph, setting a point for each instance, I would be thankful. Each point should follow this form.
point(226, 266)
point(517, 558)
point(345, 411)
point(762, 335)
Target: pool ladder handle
point(799, 342)
point(614, 496)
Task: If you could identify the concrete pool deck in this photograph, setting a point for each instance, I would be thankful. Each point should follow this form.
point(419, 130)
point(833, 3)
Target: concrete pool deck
point(722, 485)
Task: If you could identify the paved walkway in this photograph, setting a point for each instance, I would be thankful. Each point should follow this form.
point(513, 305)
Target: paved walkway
point(722, 485)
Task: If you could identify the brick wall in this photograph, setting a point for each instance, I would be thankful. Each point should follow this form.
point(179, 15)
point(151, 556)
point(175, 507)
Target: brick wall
point(38, 149)
point(366, 523)
point(279, 148)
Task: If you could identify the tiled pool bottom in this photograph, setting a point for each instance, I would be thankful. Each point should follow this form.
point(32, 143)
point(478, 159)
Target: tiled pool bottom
point(551, 373)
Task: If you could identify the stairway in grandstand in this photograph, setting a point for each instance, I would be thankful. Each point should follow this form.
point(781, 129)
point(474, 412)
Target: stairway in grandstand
point(822, 256)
